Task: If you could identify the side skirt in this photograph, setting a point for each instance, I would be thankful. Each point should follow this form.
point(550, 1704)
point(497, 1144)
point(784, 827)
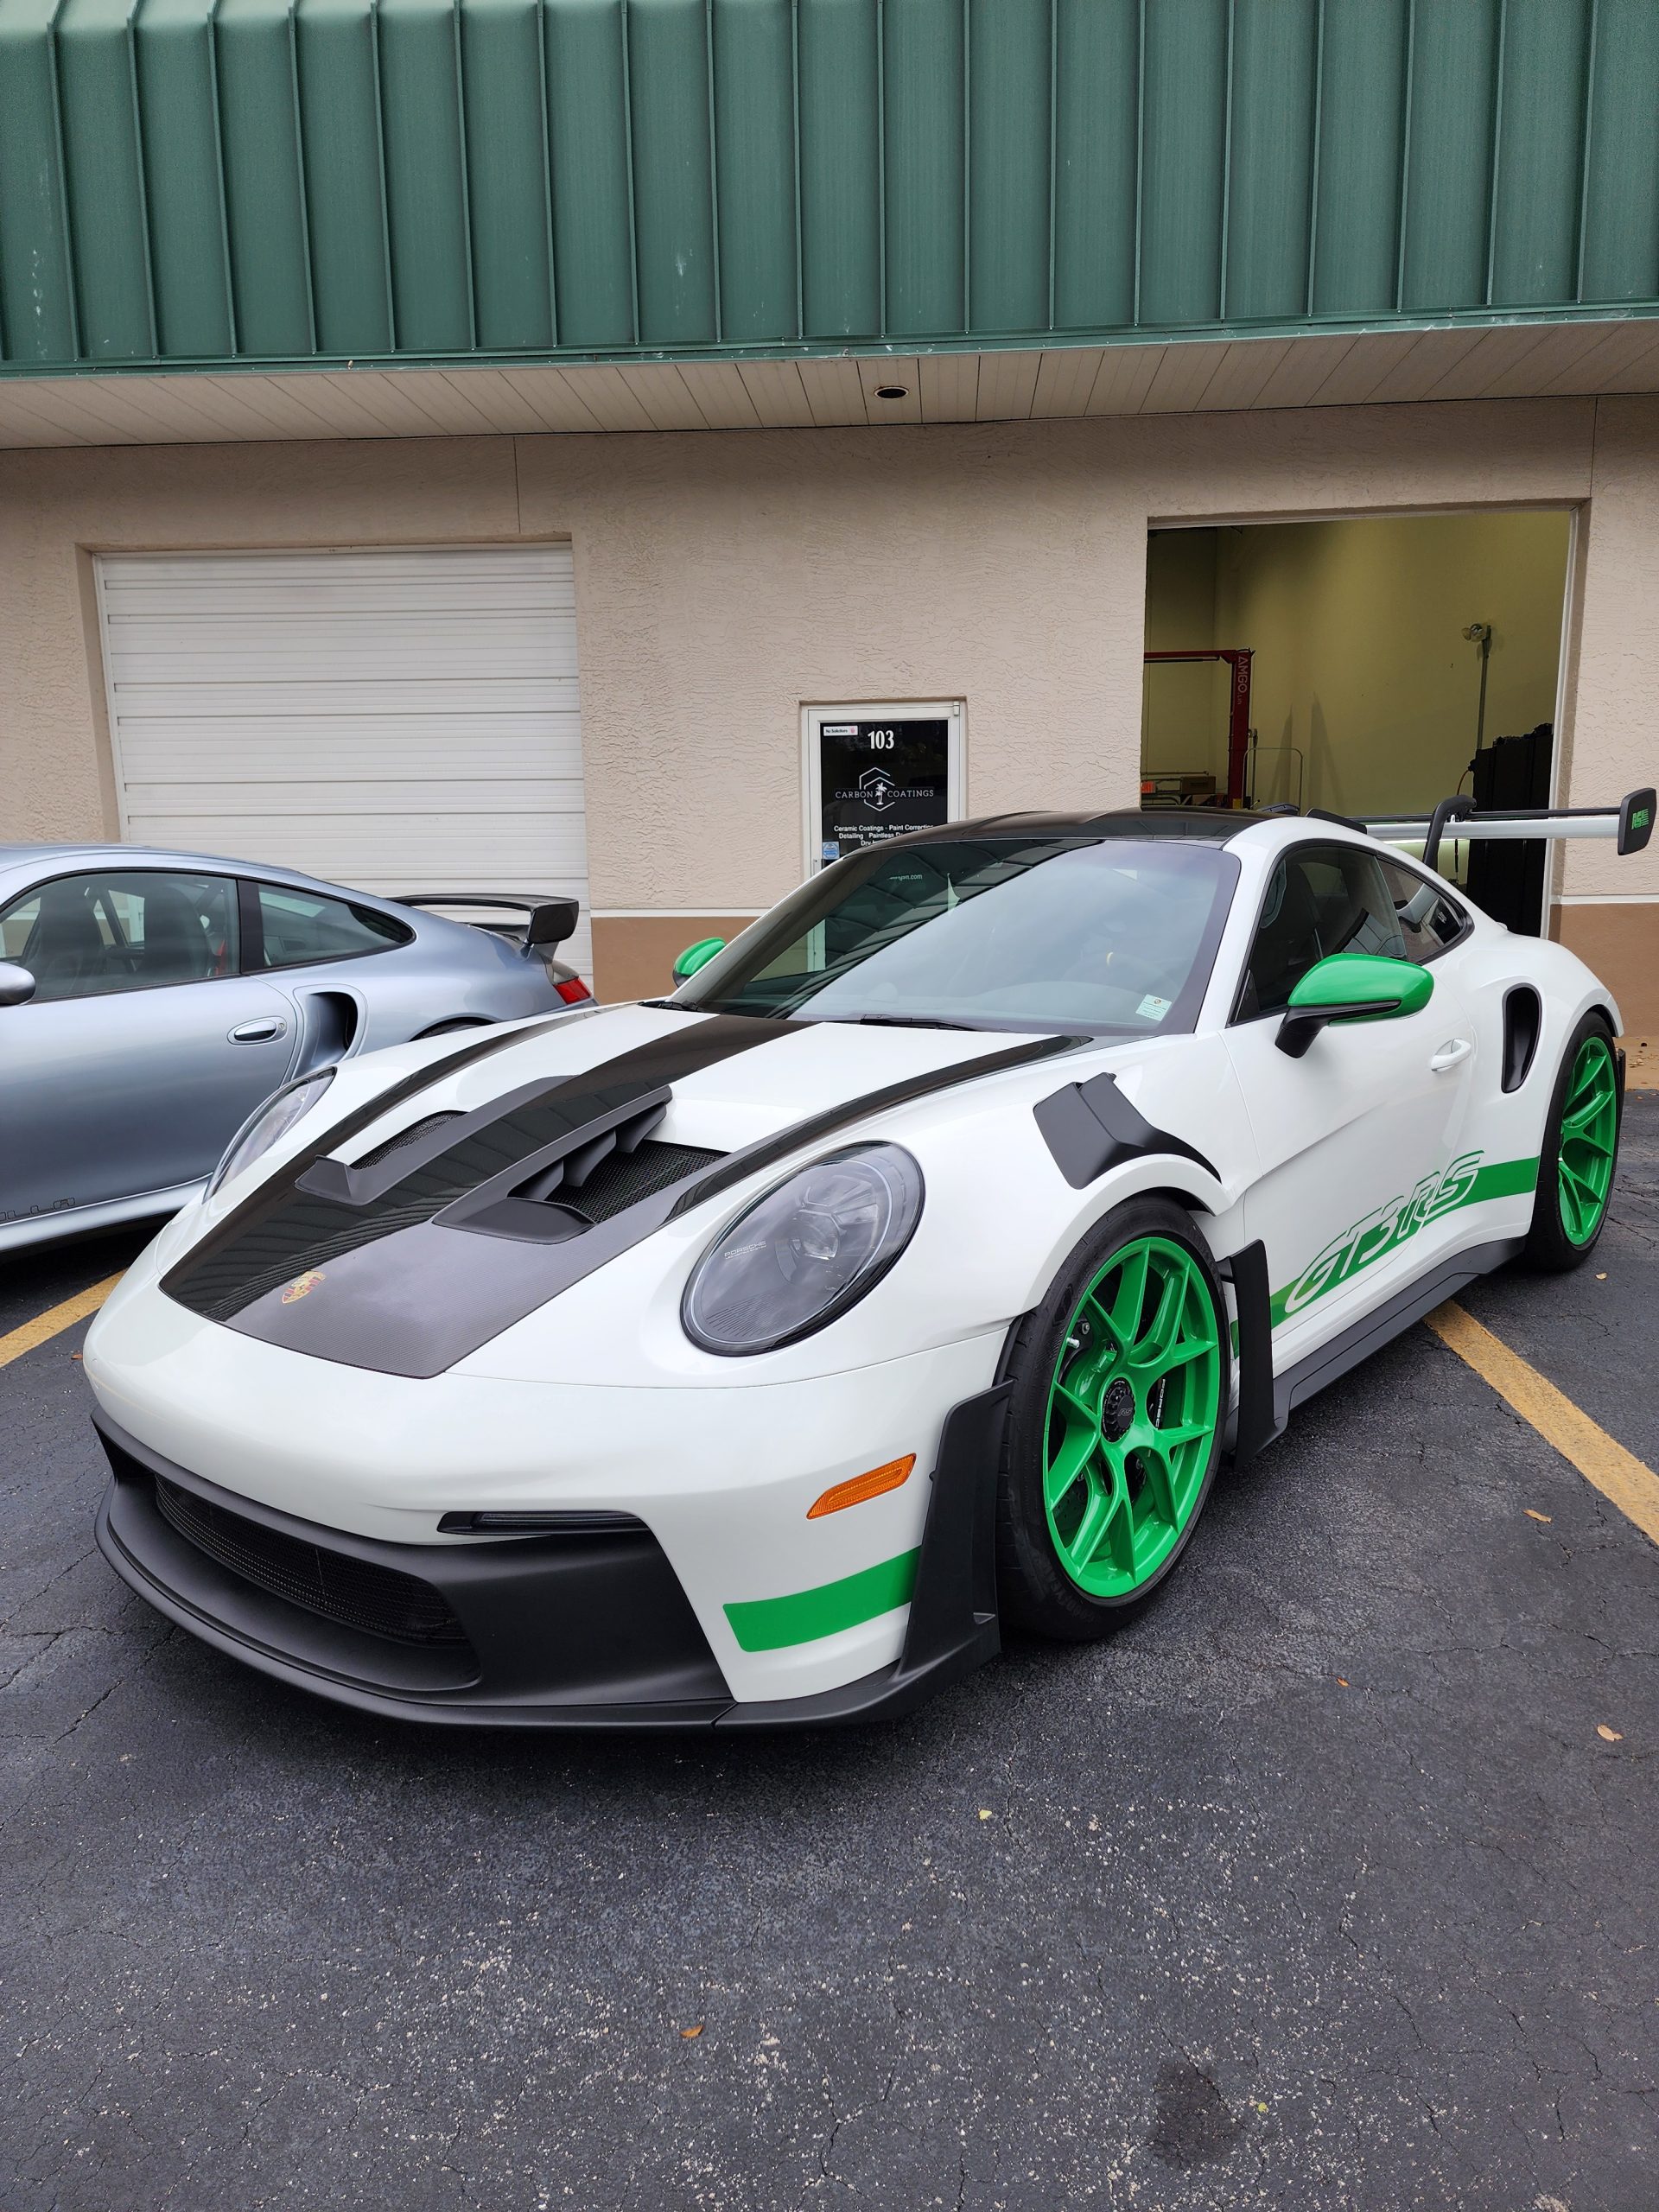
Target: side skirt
point(1374, 1330)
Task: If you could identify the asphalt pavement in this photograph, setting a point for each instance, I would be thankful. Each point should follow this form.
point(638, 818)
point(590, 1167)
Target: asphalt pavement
point(1317, 1888)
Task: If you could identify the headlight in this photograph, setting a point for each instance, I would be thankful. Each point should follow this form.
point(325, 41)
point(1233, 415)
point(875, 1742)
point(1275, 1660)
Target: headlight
point(270, 1125)
point(805, 1252)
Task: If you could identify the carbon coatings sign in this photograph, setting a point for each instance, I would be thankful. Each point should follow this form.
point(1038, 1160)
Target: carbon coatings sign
point(881, 779)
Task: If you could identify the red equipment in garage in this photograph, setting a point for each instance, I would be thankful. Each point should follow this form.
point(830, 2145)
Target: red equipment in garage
point(1238, 658)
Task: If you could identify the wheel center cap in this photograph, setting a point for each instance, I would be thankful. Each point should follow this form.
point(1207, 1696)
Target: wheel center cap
point(1117, 1411)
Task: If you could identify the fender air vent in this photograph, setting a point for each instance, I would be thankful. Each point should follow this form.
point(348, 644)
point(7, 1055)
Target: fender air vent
point(1522, 1017)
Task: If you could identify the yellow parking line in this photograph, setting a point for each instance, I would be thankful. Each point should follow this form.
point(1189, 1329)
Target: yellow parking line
point(1622, 1478)
point(47, 1324)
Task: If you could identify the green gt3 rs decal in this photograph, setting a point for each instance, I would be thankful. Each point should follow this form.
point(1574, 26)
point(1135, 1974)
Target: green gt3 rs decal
point(1465, 1183)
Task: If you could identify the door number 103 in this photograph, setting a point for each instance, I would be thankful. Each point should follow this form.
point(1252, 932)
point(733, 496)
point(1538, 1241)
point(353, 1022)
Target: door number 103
point(882, 741)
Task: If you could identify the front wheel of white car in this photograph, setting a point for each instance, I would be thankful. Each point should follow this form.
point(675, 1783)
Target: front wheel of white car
point(1120, 1384)
point(1580, 1152)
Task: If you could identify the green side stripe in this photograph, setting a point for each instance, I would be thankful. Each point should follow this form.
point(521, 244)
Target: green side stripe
point(1505, 1178)
point(768, 1624)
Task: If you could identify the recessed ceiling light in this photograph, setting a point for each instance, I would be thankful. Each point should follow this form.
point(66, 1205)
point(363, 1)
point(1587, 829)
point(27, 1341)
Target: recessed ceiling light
point(892, 391)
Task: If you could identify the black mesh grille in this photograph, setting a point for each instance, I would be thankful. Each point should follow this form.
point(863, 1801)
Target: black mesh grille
point(622, 1178)
point(356, 1592)
point(415, 1130)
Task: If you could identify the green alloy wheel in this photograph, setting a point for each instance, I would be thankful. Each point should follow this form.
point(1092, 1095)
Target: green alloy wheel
point(1589, 1140)
point(1579, 1153)
point(1131, 1411)
point(1120, 1383)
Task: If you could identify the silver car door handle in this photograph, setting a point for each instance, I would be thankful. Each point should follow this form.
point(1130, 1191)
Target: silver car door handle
point(260, 1031)
point(1454, 1049)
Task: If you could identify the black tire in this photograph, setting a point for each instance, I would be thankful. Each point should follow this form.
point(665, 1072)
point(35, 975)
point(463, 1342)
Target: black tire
point(1035, 1592)
point(1548, 1248)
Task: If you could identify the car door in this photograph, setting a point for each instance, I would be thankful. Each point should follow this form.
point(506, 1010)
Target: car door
point(142, 1049)
point(1359, 1138)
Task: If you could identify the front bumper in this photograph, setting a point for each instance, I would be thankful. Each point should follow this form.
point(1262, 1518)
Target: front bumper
point(564, 1631)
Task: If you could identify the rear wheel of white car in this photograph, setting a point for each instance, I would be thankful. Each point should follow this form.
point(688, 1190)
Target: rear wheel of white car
point(1580, 1152)
point(1120, 1383)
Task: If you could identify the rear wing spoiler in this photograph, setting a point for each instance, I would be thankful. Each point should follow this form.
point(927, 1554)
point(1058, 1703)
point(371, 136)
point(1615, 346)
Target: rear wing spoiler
point(547, 921)
point(494, 899)
point(1630, 821)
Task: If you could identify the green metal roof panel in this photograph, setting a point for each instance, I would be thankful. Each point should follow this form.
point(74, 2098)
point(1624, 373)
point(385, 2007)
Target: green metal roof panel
point(207, 181)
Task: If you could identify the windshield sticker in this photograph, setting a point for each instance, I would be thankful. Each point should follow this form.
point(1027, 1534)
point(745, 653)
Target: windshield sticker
point(1152, 1008)
point(1463, 1183)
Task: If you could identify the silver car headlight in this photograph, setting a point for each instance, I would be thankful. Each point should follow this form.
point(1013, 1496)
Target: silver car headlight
point(805, 1251)
point(269, 1125)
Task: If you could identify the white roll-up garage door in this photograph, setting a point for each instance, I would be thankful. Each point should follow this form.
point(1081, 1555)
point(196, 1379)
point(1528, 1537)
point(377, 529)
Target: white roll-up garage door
point(394, 722)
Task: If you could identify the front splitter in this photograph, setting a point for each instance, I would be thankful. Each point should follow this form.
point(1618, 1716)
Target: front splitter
point(592, 1639)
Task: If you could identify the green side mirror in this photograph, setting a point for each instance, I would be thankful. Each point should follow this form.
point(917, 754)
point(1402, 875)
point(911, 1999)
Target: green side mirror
point(1350, 987)
point(697, 955)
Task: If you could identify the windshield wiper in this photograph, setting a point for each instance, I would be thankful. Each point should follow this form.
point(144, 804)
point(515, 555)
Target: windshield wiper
point(904, 1021)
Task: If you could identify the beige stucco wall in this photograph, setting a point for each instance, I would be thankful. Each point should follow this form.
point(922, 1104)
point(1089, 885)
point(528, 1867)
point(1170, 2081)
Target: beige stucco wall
point(725, 579)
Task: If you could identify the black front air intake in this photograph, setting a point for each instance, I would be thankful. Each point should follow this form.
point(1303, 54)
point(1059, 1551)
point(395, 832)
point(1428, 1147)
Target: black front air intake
point(358, 1593)
point(586, 1613)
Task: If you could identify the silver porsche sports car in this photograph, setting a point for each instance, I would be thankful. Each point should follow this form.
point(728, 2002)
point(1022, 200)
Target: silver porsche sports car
point(150, 1002)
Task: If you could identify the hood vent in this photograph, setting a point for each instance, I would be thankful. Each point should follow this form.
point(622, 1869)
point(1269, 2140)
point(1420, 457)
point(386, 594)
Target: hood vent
point(622, 1178)
point(412, 1134)
point(525, 1166)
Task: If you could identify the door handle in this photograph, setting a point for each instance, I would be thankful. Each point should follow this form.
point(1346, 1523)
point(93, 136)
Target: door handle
point(1454, 1049)
point(260, 1031)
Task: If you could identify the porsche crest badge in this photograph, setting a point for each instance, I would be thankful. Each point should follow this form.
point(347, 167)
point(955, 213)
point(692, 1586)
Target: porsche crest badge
point(302, 1286)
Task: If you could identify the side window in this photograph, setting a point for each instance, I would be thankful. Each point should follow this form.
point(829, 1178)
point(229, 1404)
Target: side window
point(86, 935)
point(297, 927)
point(1322, 899)
point(1429, 918)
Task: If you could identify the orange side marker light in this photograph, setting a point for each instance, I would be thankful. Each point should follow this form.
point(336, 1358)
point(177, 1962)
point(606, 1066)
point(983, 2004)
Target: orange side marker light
point(863, 1486)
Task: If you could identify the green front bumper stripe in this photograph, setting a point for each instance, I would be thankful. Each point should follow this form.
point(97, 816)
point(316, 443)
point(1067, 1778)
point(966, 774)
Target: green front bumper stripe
point(769, 1624)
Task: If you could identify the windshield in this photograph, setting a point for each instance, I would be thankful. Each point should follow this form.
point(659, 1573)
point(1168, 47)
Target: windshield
point(1040, 933)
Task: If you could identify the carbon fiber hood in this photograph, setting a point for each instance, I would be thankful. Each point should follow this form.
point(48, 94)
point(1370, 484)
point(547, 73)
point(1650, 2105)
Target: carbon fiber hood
point(429, 1245)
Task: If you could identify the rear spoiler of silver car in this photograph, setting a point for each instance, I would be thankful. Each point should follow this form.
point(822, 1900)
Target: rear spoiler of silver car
point(547, 921)
point(1630, 823)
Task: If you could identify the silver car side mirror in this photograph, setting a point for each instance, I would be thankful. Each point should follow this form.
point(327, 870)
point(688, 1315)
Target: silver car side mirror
point(16, 984)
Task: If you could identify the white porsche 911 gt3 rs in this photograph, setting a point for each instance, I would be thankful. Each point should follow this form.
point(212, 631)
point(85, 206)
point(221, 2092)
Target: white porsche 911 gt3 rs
point(746, 1357)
